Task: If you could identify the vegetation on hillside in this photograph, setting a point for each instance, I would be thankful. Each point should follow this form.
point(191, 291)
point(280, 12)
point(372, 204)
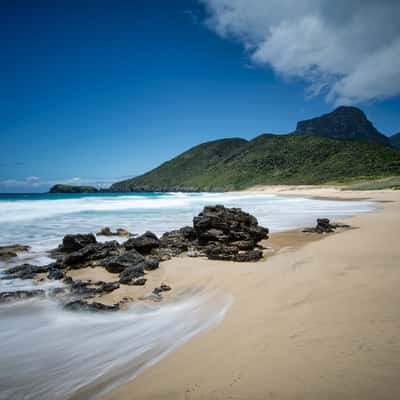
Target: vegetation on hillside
point(232, 164)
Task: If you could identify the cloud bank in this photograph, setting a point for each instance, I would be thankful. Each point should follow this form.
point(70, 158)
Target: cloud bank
point(346, 50)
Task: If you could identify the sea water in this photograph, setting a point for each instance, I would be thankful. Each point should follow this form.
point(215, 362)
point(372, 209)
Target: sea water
point(50, 353)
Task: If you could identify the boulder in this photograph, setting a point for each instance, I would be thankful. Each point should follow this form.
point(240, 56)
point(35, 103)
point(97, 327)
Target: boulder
point(324, 226)
point(132, 272)
point(76, 242)
point(93, 251)
point(123, 232)
point(117, 264)
point(106, 231)
point(144, 244)
point(226, 225)
point(12, 250)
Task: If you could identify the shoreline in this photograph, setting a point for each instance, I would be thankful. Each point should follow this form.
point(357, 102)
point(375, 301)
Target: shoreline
point(227, 377)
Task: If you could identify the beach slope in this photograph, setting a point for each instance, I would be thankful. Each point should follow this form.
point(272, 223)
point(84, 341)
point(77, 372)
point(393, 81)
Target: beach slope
point(317, 321)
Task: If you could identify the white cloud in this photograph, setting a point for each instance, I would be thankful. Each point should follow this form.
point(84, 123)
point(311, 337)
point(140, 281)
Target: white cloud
point(348, 50)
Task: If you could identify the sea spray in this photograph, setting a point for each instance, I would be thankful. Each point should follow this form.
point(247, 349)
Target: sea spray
point(50, 353)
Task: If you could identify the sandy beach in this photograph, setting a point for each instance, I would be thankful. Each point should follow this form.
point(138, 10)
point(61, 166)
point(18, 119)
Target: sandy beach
point(320, 319)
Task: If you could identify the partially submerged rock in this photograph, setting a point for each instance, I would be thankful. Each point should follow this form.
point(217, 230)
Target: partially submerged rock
point(106, 231)
point(73, 243)
point(93, 251)
point(83, 305)
point(18, 295)
point(144, 244)
point(325, 226)
point(12, 250)
point(28, 271)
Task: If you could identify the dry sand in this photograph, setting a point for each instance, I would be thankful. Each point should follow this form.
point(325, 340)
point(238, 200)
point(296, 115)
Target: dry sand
point(317, 321)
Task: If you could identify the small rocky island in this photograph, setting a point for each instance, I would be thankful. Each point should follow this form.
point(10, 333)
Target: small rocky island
point(72, 189)
point(218, 233)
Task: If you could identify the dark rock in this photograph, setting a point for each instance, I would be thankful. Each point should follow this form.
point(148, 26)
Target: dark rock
point(12, 250)
point(108, 287)
point(90, 252)
point(173, 243)
point(132, 272)
point(82, 305)
point(118, 264)
point(56, 274)
point(7, 297)
point(27, 271)
point(76, 242)
point(323, 226)
point(226, 225)
point(151, 264)
point(106, 231)
point(162, 288)
point(144, 244)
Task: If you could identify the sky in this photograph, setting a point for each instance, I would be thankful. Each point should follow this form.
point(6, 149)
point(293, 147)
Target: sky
point(96, 91)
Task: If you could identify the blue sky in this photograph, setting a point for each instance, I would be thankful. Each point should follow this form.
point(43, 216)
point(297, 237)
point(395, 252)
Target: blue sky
point(97, 91)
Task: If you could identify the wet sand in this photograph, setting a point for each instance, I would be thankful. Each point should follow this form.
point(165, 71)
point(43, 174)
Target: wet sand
point(318, 320)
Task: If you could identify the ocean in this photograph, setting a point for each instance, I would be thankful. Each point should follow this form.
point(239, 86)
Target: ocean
point(50, 353)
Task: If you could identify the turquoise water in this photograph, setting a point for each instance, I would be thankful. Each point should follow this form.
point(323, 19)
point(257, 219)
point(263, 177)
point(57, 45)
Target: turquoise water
point(49, 353)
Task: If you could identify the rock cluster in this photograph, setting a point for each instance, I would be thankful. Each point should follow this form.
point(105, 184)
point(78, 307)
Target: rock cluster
point(106, 231)
point(219, 233)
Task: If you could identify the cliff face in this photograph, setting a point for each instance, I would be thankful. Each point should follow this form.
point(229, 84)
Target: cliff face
point(344, 123)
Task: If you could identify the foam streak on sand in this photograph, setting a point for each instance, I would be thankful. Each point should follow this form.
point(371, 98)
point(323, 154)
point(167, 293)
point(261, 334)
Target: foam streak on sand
point(49, 353)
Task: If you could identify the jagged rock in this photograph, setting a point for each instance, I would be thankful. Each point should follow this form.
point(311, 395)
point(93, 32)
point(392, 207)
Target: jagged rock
point(132, 272)
point(144, 244)
point(28, 271)
point(118, 264)
point(93, 251)
point(55, 274)
point(76, 242)
point(12, 250)
point(82, 305)
point(151, 264)
point(7, 297)
point(323, 226)
point(218, 223)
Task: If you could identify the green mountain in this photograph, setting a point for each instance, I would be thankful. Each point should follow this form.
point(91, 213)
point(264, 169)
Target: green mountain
point(395, 140)
point(344, 123)
point(230, 164)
